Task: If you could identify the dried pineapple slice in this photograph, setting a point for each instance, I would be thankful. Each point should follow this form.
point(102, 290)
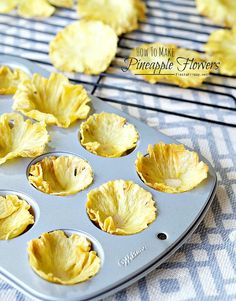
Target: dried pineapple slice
point(10, 79)
point(8, 205)
point(222, 12)
point(180, 73)
point(52, 100)
point(35, 8)
point(62, 3)
point(21, 138)
point(121, 207)
point(121, 15)
point(62, 175)
point(61, 259)
point(7, 6)
point(84, 46)
point(108, 135)
point(14, 216)
point(171, 168)
point(220, 47)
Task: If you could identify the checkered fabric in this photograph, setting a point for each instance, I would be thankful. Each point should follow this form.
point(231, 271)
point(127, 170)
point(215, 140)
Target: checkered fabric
point(204, 268)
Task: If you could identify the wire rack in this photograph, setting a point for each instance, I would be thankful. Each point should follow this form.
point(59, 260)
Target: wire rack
point(170, 21)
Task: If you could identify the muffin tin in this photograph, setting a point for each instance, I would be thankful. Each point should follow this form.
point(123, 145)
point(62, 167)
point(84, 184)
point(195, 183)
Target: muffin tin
point(125, 259)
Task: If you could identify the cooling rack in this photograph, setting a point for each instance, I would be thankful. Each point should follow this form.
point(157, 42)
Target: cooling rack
point(167, 21)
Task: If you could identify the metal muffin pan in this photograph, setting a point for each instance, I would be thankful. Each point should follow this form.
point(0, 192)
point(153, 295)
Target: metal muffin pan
point(125, 259)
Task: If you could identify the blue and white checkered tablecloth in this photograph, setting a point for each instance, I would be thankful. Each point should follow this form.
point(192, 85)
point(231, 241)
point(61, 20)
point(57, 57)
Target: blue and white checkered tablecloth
point(204, 268)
